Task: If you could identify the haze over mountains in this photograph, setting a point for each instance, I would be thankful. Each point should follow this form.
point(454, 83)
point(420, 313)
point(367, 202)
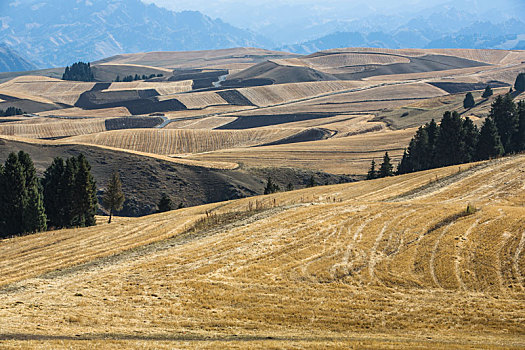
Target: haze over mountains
point(53, 33)
point(57, 33)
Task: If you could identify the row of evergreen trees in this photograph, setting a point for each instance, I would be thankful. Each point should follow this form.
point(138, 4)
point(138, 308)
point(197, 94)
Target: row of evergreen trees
point(11, 111)
point(457, 140)
point(79, 71)
point(65, 197)
point(130, 78)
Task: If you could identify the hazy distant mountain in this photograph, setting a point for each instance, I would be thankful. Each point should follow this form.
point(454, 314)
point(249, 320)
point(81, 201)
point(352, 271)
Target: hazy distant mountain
point(426, 33)
point(58, 32)
point(10, 61)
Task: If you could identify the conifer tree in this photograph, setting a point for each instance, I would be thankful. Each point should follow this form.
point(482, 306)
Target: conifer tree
point(85, 204)
point(519, 136)
point(402, 166)
point(489, 144)
point(386, 168)
point(14, 197)
point(469, 102)
point(488, 92)
point(55, 193)
point(450, 144)
point(470, 140)
point(503, 113)
point(372, 173)
point(113, 197)
point(34, 217)
point(519, 85)
point(165, 204)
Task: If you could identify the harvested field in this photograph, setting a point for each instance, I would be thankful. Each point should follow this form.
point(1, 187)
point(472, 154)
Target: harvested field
point(173, 141)
point(213, 59)
point(270, 72)
point(197, 100)
point(93, 113)
point(345, 155)
point(264, 96)
point(45, 128)
point(163, 88)
point(201, 123)
point(363, 100)
point(400, 253)
point(48, 89)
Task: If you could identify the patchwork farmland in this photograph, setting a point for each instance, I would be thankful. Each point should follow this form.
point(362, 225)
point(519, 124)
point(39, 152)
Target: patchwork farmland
point(430, 260)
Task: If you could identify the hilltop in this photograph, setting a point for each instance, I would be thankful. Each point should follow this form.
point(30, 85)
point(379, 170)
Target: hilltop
point(389, 262)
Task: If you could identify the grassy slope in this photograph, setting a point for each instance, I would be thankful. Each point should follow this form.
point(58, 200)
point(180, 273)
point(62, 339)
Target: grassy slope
point(384, 263)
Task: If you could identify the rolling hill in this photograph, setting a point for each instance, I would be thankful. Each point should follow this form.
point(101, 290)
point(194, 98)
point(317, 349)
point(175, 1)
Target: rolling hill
point(394, 262)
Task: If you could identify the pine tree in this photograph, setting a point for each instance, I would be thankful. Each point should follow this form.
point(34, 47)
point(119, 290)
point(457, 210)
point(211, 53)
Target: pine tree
point(519, 136)
point(470, 140)
point(372, 173)
point(469, 102)
point(165, 204)
point(55, 193)
point(113, 197)
point(503, 113)
point(402, 166)
point(85, 195)
point(69, 186)
point(386, 168)
point(488, 92)
point(489, 144)
point(519, 85)
point(35, 219)
point(450, 143)
point(14, 197)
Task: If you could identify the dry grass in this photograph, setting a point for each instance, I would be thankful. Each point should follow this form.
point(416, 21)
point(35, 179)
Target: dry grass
point(388, 263)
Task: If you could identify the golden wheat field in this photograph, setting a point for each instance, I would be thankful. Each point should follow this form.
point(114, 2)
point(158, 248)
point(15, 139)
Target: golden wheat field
point(387, 263)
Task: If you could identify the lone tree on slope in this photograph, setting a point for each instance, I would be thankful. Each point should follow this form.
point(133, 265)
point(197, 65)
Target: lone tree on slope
point(469, 102)
point(165, 204)
point(113, 196)
point(488, 92)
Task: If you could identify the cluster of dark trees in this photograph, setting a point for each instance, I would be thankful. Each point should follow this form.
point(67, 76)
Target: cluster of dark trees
point(65, 197)
point(457, 140)
point(130, 78)
point(10, 111)
point(385, 169)
point(79, 71)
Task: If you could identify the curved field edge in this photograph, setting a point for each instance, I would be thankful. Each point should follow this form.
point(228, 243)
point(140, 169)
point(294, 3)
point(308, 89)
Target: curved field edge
point(203, 164)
